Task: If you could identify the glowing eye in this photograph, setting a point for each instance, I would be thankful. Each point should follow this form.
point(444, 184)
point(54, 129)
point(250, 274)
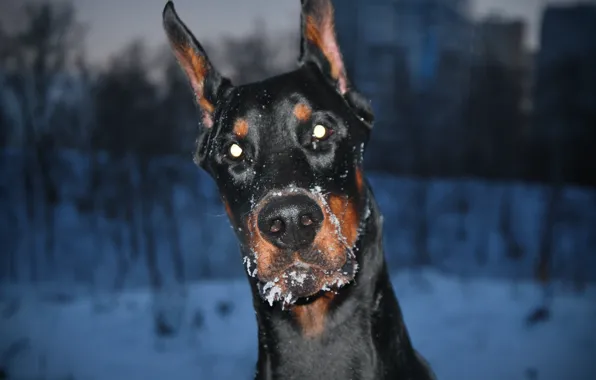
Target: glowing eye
point(235, 150)
point(319, 131)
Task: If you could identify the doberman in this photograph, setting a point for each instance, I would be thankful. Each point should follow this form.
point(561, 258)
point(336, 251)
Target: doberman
point(286, 154)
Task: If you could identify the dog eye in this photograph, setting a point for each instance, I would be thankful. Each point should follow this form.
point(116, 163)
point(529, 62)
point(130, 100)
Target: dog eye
point(235, 151)
point(320, 132)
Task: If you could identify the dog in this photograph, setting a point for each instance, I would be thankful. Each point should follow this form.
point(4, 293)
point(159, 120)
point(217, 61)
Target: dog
point(286, 154)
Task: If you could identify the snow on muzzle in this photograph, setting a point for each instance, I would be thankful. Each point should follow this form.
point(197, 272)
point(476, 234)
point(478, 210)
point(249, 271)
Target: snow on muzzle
point(301, 242)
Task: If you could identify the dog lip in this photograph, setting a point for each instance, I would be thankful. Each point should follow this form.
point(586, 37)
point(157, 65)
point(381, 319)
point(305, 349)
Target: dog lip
point(300, 264)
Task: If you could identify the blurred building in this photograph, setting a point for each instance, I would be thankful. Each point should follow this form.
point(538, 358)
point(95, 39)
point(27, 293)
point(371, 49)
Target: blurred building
point(399, 50)
point(565, 89)
point(500, 41)
point(374, 34)
point(497, 114)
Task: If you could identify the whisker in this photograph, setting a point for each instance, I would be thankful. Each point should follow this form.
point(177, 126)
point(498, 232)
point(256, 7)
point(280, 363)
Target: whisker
point(214, 215)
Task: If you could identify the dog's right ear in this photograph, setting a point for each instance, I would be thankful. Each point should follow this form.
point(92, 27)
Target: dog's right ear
point(206, 82)
point(319, 45)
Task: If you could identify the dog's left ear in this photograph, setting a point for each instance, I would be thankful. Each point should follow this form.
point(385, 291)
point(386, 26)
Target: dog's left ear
point(319, 45)
point(207, 84)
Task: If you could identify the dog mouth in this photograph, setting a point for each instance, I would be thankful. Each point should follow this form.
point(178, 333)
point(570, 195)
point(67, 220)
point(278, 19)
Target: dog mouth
point(302, 280)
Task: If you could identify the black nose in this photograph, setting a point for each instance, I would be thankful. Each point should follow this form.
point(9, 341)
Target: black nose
point(291, 221)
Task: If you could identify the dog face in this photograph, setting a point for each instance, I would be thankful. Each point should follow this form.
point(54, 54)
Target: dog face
point(286, 154)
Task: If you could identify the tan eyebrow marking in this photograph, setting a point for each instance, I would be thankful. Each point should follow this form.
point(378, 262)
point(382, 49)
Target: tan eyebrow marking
point(302, 112)
point(241, 128)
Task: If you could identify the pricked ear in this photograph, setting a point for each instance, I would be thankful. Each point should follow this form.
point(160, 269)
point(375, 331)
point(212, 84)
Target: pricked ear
point(319, 44)
point(206, 82)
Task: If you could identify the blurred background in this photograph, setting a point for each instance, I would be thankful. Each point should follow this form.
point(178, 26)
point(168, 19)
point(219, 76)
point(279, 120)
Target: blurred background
point(117, 260)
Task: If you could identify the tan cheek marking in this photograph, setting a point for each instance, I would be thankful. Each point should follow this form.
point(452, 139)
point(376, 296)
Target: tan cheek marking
point(312, 317)
point(347, 214)
point(228, 209)
point(328, 242)
point(266, 251)
point(241, 128)
point(359, 179)
point(302, 112)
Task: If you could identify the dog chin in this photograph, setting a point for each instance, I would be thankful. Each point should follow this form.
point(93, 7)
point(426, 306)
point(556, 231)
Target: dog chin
point(301, 281)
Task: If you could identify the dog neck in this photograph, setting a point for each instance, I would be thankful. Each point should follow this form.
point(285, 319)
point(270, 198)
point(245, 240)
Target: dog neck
point(357, 333)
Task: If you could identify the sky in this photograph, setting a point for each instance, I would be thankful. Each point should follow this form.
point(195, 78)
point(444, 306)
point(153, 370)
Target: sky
point(113, 23)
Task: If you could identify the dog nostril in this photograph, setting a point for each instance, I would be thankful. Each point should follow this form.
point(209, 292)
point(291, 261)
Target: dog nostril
point(290, 222)
point(306, 220)
point(276, 226)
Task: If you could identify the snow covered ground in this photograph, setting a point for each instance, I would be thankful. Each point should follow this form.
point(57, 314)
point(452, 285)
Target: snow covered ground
point(467, 329)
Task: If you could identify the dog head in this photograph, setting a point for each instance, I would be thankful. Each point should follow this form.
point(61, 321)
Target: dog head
point(286, 154)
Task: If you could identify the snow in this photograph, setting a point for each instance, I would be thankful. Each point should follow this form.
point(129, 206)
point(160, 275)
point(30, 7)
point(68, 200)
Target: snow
point(467, 329)
point(296, 278)
point(271, 291)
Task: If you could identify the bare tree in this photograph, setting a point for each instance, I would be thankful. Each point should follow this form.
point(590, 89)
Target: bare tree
point(560, 82)
point(40, 61)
